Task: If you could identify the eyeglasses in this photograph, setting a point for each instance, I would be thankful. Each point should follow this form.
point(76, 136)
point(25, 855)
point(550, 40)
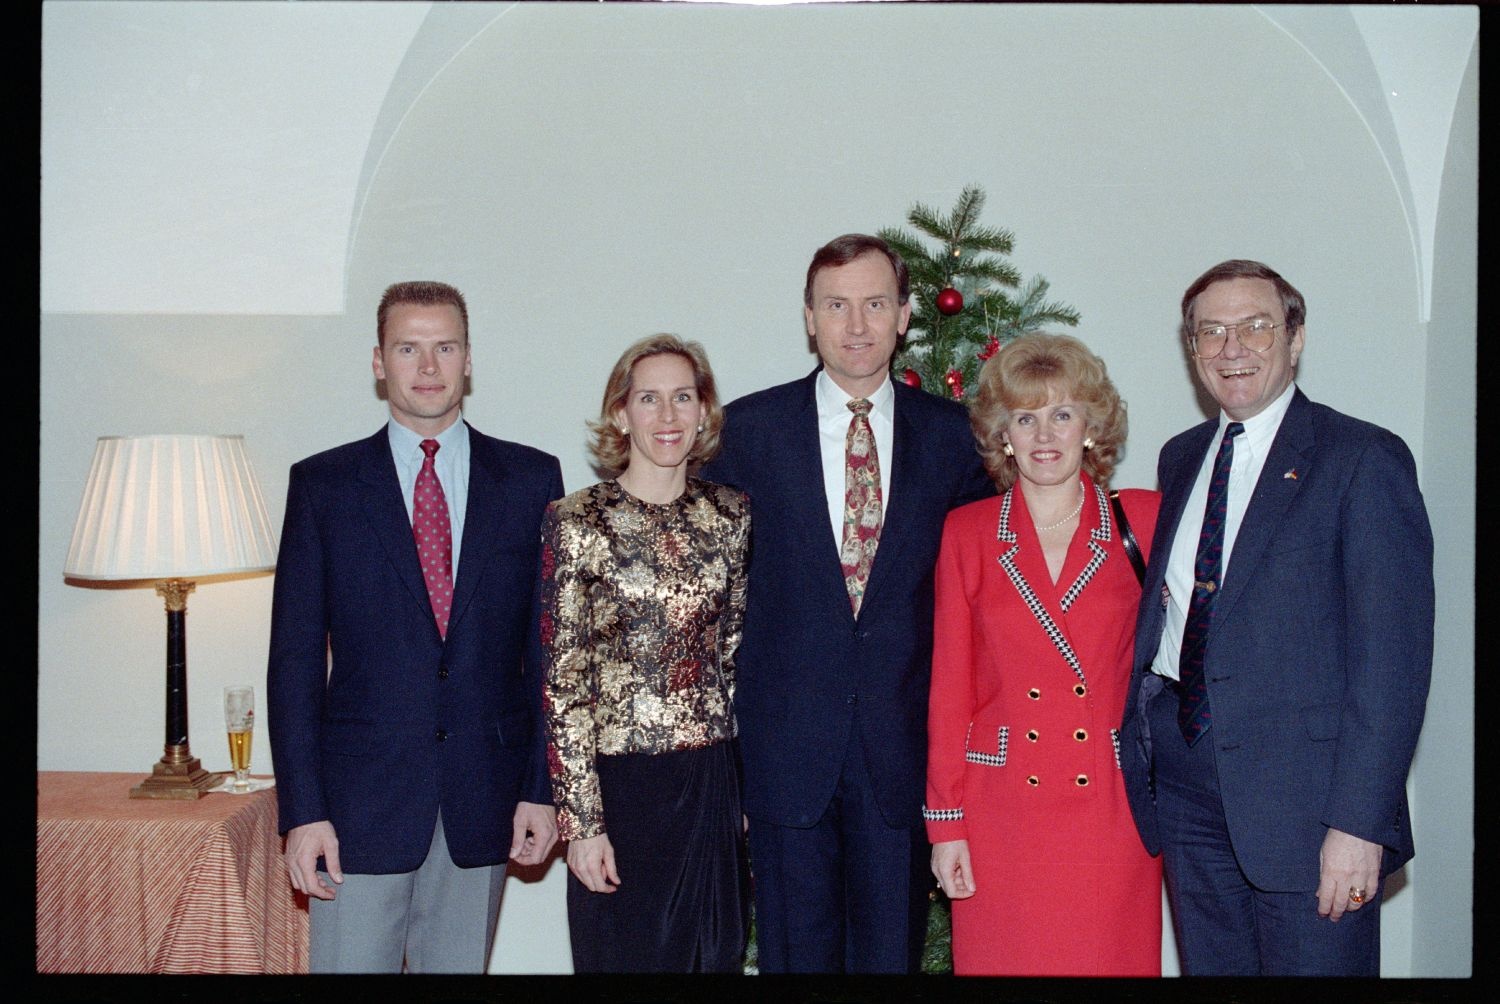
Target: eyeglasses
point(1257, 336)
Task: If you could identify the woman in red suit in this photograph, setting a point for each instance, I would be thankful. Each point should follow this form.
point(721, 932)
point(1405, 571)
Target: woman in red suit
point(1036, 600)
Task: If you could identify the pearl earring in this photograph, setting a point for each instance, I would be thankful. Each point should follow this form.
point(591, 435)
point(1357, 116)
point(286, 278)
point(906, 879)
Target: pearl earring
point(1088, 443)
point(1008, 451)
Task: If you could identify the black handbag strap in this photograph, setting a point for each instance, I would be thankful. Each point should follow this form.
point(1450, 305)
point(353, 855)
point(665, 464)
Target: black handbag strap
point(1127, 537)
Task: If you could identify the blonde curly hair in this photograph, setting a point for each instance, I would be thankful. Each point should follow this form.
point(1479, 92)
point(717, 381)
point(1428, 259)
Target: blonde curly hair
point(1024, 374)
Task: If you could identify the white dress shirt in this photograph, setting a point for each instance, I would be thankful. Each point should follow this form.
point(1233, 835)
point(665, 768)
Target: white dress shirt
point(833, 429)
point(1250, 450)
point(451, 464)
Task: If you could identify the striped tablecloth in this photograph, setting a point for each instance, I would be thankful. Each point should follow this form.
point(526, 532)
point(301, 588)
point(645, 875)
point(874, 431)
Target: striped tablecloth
point(160, 886)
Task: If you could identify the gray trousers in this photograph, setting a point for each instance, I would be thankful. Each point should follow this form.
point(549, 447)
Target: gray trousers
point(437, 919)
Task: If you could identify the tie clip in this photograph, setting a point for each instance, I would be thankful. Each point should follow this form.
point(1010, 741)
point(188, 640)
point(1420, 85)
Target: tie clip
point(1206, 586)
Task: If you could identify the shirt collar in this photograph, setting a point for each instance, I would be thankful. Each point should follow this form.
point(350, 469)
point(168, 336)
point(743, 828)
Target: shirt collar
point(1261, 429)
point(833, 400)
point(405, 441)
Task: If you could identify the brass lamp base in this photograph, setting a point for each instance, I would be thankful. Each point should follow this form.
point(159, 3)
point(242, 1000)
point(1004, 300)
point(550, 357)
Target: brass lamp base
point(178, 774)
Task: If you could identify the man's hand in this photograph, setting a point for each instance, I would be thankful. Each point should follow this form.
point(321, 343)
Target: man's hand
point(1346, 862)
point(533, 832)
point(304, 844)
point(950, 863)
point(593, 861)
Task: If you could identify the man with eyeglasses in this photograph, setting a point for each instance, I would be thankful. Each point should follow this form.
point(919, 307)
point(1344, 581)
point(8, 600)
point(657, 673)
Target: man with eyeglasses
point(1277, 696)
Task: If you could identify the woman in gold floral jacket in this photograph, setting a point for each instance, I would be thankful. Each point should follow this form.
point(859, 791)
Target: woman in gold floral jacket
point(643, 597)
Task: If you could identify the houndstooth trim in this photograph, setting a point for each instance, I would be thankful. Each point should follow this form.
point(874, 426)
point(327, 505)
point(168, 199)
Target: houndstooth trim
point(996, 759)
point(1008, 561)
point(1097, 537)
point(1114, 737)
point(942, 815)
point(1004, 533)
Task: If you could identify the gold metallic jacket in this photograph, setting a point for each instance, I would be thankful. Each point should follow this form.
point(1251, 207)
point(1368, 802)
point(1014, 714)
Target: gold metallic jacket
point(642, 608)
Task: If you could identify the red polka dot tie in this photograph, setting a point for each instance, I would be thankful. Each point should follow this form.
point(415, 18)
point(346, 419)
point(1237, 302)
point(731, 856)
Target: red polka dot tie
point(434, 536)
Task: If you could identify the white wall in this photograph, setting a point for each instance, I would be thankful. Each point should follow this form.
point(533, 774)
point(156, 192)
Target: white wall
point(227, 188)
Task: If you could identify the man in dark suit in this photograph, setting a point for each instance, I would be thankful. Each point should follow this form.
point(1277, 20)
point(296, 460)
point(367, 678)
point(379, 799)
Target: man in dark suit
point(850, 475)
point(1283, 650)
point(403, 691)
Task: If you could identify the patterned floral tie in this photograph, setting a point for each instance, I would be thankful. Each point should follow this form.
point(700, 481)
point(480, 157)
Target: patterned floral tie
point(861, 503)
point(1193, 715)
point(434, 536)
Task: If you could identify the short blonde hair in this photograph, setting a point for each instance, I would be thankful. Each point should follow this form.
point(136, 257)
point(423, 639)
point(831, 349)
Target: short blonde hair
point(611, 447)
point(1024, 374)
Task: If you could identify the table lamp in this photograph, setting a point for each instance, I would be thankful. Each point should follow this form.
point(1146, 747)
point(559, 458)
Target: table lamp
point(171, 509)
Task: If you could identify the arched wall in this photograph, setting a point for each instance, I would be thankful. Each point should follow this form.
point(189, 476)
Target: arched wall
point(588, 175)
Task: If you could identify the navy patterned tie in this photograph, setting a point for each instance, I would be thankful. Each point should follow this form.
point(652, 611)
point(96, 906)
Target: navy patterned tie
point(1193, 714)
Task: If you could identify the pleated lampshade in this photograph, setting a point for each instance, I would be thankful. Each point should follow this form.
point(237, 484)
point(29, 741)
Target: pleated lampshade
point(160, 507)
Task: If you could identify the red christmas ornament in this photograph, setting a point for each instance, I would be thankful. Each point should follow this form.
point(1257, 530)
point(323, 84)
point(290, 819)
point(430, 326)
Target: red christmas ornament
point(955, 381)
point(912, 378)
point(990, 348)
point(950, 301)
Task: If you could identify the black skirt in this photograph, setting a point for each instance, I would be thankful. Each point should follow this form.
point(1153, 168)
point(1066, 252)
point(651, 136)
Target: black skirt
point(674, 822)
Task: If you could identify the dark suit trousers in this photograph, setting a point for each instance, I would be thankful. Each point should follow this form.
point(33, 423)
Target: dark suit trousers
point(1225, 926)
point(845, 895)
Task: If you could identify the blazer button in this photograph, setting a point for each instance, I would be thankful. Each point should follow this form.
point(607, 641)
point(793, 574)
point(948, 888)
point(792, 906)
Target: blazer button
point(442, 672)
point(1034, 694)
point(1080, 689)
point(1082, 780)
point(1080, 735)
point(1032, 735)
point(442, 735)
point(1033, 780)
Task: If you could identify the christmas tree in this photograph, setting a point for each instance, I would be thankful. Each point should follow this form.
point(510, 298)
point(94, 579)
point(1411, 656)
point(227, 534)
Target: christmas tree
point(967, 298)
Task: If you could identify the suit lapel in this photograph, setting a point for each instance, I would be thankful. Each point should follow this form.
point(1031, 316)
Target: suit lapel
point(1026, 567)
point(1291, 450)
point(897, 521)
point(1175, 492)
point(1030, 561)
point(1100, 523)
point(380, 495)
point(1177, 478)
point(483, 514)
point(805, 468)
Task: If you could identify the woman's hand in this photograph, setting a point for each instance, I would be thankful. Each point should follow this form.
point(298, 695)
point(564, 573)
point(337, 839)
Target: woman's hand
point(950, 863)
point(592, 860)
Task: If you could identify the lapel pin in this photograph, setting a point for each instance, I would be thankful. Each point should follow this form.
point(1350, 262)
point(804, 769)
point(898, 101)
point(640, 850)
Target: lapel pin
point(1290, 475)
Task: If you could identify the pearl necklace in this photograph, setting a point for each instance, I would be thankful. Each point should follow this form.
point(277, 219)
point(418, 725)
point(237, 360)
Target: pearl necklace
point(1076, 510)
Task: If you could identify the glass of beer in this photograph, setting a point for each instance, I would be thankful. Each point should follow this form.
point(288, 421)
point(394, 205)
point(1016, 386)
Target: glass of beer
point(239, 722)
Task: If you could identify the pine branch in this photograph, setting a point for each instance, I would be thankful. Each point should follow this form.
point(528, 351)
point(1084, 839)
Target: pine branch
point(965, 212)
point(1033, 311)
point(1002, 272)
point(926, 219)
point(904, 243)
point(989, 239)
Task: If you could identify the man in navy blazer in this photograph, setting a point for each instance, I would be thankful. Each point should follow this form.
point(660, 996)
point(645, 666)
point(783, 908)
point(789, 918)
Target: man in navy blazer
point(1269, 766)
point(403, 690)
point(832, 706)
